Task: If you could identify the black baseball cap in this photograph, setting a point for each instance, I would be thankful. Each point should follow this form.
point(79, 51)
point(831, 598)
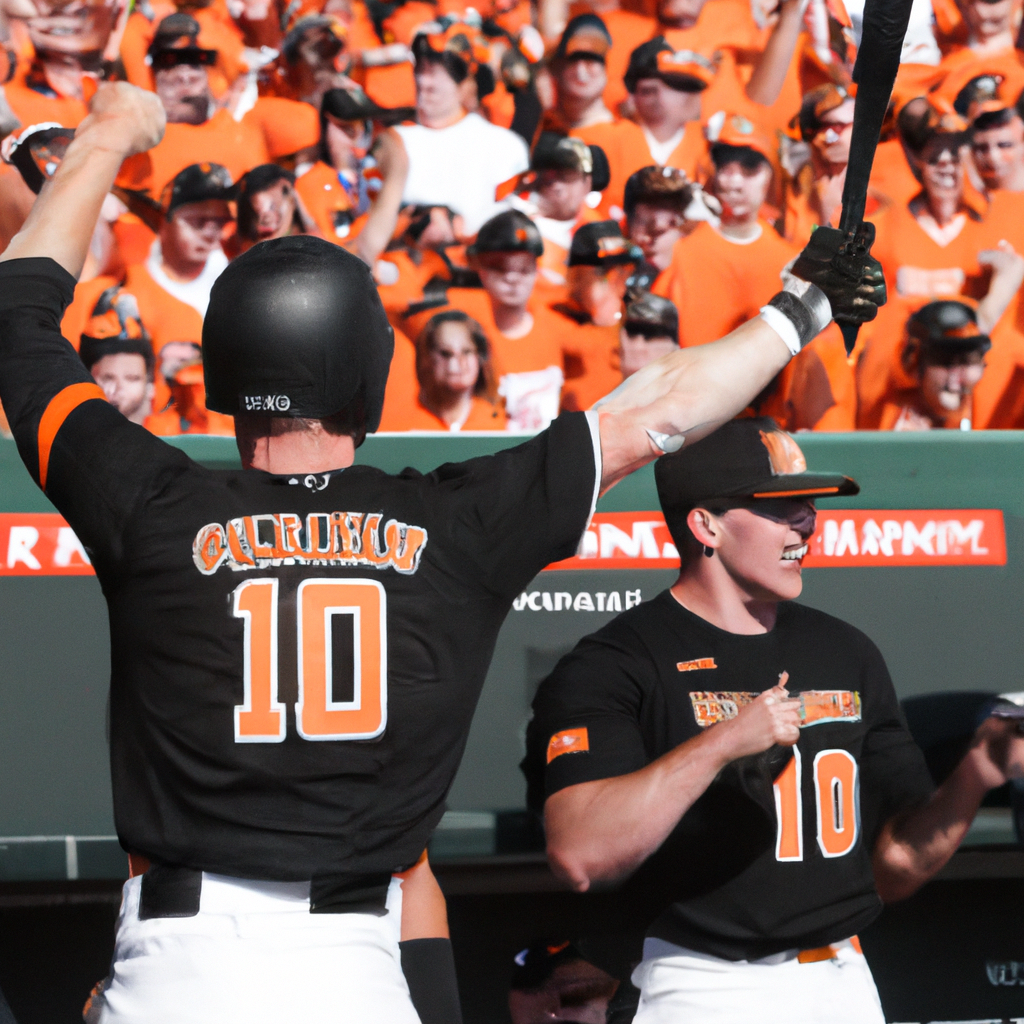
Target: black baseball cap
point(535, 964)
point(683, 69)
point(653, 317)
point(586, 36)
point(948, 327)
point(353, 104)
point(510, 231)
point(195, 184)
point(602, 244)
point(176, 42)
point(746, 458)
point(564, 153)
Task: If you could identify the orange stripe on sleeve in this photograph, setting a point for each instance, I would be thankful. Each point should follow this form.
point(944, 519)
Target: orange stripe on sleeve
point(61, 406)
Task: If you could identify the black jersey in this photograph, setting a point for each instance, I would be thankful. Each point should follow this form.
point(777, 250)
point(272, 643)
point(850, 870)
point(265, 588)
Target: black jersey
point(294, 660)
point(776, 854)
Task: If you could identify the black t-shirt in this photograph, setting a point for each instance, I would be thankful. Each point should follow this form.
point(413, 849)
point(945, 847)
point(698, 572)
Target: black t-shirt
point(776, 854)
point(295, 661)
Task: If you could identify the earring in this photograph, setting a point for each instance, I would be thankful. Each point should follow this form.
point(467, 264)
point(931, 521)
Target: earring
point(708, 552)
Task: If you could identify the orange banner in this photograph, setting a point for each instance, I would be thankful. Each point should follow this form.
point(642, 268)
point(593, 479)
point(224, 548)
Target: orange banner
point(40, 544)
point(843, 537)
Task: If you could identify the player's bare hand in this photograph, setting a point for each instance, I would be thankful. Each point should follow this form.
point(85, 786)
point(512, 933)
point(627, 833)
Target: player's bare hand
point(124, 118)
point(997, 753)
point(773, 718)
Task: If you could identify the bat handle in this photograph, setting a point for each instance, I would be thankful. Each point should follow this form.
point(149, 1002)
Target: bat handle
point(850, 332)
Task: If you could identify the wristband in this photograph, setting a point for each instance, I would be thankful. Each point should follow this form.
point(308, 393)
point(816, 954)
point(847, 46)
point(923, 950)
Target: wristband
point(799, 313)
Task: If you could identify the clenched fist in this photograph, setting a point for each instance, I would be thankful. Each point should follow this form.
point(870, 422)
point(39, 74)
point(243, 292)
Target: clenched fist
point(845, 271)
point(124, 118)
point(773, 718)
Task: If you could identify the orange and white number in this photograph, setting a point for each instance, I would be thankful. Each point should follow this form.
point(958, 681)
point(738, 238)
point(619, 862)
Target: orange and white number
point(318, 715)
point(836, 805)
point(835, 790)
point(261, 717)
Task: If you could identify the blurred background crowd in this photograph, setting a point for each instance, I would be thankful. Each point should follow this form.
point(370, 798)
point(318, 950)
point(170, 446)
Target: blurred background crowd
point(547, 195)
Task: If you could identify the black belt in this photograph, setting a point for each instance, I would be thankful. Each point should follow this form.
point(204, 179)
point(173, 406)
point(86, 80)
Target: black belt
point(171, 891)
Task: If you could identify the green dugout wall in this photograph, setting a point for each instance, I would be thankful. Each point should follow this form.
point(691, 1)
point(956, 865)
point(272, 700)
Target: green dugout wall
point(940, 626)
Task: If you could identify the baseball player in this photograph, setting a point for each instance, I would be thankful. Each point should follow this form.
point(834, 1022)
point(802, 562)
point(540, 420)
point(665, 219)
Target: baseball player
point(746, 758)
point(297, 647)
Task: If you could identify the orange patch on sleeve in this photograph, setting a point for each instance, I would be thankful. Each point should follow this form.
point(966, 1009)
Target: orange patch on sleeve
point(569, 741)
point(61, 406)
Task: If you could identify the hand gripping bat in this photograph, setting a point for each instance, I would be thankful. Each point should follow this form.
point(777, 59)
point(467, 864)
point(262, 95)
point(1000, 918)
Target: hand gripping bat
point(878, 60)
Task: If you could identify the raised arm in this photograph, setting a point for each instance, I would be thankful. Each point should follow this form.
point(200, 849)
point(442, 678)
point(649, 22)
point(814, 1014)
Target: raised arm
point(604, 830)
point(913, 847)
point(122, 120)
point(393, 162)
point(687, 394)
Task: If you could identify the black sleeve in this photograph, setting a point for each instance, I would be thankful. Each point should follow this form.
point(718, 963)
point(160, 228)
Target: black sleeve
point(587, 716)
point(509, 515)
point(894, 775)
point(92, 463)
point(429, 969)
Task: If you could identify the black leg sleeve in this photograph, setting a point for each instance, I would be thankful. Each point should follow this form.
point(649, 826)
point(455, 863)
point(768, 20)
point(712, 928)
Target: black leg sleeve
point(429, 968)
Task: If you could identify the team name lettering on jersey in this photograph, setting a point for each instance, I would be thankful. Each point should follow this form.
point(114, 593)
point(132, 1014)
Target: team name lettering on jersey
point(322, 538)
point(815, 705)
point(697, 663)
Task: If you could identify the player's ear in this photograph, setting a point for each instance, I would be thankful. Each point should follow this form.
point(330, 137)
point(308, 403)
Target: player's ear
point(911, 356)
point(704, 528)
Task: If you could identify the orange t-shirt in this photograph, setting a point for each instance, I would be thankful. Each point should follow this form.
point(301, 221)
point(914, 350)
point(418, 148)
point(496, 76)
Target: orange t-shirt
point(237, 145)
point(814, 391)
point(590, 356)
point(624, 144)
point(328, 203)
point(962, 64)
point(32, 107)
point(718, 284)
point(483, 415)
point(401, 276)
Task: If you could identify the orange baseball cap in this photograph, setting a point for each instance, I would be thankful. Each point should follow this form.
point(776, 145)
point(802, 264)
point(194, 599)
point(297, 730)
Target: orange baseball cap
point(724, 129)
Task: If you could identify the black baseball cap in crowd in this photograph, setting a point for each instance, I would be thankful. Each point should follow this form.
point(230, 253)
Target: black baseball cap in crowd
point(948, 328)
point(746, 458)
point(586, 36)
point(680, 69)
point(510, 231)
point(353, 104)
point(176, 41)
point(195, 184)
point(564, 153)
point(653, 317)
point(602, 244)
point(535, 964)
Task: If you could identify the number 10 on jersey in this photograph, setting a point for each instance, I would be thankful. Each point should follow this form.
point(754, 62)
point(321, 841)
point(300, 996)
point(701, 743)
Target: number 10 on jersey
point(836, 805)
point(319, 603)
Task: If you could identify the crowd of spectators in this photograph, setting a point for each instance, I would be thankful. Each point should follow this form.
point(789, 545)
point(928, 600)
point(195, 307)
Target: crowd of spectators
point(548, 196)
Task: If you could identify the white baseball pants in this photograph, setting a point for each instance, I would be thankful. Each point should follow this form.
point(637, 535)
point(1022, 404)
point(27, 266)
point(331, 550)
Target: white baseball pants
point(680, 986)
point(255, 955)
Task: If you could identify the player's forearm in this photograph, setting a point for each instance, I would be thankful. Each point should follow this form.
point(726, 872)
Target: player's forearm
point(603, 831)
point(914, 847)
point(381, 221)
point(691, 392)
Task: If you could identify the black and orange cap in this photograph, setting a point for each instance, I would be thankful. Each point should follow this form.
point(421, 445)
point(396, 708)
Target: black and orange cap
point(602, 244)
point(586, 36)
point(195, 184)
point(746, 458)
point(948, 326)
point(510, 231)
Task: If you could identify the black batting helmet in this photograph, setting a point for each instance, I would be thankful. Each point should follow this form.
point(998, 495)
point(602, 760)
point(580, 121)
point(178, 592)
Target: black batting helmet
point(295, 327)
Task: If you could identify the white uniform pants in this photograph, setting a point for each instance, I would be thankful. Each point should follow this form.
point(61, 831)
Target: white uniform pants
point(694, 988)
point(255, 955)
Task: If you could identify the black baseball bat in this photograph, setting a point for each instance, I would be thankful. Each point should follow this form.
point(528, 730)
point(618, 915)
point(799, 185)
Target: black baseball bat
point(878, 60)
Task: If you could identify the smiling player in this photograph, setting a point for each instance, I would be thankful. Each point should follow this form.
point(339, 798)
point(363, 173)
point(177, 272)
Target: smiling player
point(768, 824)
